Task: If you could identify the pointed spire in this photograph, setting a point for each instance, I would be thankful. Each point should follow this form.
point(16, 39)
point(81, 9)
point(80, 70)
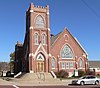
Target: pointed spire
point(47, 6)
point(31, 6)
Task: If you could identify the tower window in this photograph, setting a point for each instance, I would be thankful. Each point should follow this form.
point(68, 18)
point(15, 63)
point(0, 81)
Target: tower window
point(36, 37)
point(43, 39)
point(39, 22)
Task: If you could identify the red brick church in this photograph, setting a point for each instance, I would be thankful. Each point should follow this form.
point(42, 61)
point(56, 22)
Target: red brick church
point(42, 52)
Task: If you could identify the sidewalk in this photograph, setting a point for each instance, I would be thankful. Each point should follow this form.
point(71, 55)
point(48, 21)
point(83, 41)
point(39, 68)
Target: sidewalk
point(41, 82)
point(36, 83)
point(3, 82)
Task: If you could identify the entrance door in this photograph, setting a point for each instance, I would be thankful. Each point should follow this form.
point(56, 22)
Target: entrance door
point(40, 66)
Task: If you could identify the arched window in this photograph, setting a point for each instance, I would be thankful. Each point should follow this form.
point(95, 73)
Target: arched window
point(36, 37)
point(66, 52)
point(40, 57)
point(53, 63)
point(43, 39)
point(80, 63)
point(39, 22)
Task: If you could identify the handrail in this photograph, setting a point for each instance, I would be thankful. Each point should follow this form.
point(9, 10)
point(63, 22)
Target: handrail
point(17, 74)
point(53, 74)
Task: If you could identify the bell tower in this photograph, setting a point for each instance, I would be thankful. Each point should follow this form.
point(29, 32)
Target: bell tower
point(38, 32)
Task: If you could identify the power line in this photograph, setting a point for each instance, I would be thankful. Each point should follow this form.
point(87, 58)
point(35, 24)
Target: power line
point(93, 11)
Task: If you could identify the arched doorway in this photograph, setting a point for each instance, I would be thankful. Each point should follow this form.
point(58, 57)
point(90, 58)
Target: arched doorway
point(40, 63)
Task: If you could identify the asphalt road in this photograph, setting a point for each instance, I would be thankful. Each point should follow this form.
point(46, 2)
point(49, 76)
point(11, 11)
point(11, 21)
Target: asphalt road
point(70, 86)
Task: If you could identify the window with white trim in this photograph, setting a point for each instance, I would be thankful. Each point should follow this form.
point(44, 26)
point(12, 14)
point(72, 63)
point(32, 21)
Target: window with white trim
point(53, 63)
point(66, 52)
point(43, 39)
point(39, 22)
point(80, 63)
point(63, 65)
point(36, 37)
point(67, 64)
point(71, 64)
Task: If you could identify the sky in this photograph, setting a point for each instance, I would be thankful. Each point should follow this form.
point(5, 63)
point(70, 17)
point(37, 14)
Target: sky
point(81, 17)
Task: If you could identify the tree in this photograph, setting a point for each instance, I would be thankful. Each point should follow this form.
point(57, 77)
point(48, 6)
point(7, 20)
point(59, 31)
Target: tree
point(11, 63)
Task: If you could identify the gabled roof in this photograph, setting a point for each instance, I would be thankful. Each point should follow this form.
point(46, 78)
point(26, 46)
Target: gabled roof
point(94, 64)
point(54, 37)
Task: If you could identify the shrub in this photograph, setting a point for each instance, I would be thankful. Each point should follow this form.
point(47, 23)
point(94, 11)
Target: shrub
point(61, 74)
point(98, 74)
point(81, 73)
point(89, 72)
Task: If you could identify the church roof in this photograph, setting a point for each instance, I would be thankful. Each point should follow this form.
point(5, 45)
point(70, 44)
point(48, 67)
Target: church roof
point(94, 64)
point(54, 37)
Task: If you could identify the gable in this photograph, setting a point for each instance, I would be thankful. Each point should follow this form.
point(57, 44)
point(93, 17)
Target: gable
point(66, 37)
point(54, 38)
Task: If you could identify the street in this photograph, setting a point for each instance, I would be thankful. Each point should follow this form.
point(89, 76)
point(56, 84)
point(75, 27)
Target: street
point(69, 86)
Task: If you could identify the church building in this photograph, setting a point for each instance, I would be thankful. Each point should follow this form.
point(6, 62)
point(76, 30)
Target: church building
point(45, 52)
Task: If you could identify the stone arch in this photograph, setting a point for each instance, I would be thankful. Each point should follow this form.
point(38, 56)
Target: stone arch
point(40, 62)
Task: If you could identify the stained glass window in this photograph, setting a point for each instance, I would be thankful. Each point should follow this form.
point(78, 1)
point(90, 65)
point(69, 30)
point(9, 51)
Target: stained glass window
point(39, 22)
point(66, 52)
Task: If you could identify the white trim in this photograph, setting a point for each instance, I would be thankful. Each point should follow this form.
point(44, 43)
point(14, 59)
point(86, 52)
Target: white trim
point(31, 55)
point(79, 62)
point(49, 55)
point(41, 46)
point(35, 39)
point(53, 58)
point(31, 27)
point(15, 86)
point(45, 43)
point(84, 55)
point(48, 13)
point(63, 65)
point(53, 68)
point(48, 29)
point(66, 58)
point(43, 20)
point(80, 45)
point(80, 68)
point(31, 71)
point(67, 61)
point(43, 33)
point(31, 11)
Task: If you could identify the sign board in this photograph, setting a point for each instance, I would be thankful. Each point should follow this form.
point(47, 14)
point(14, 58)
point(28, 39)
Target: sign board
point(76, 72)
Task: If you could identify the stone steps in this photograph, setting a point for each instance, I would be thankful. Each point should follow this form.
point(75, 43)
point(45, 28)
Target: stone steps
point(36, 77)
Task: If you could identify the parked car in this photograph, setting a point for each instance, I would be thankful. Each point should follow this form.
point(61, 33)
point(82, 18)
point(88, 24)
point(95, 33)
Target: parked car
point(87, 80)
